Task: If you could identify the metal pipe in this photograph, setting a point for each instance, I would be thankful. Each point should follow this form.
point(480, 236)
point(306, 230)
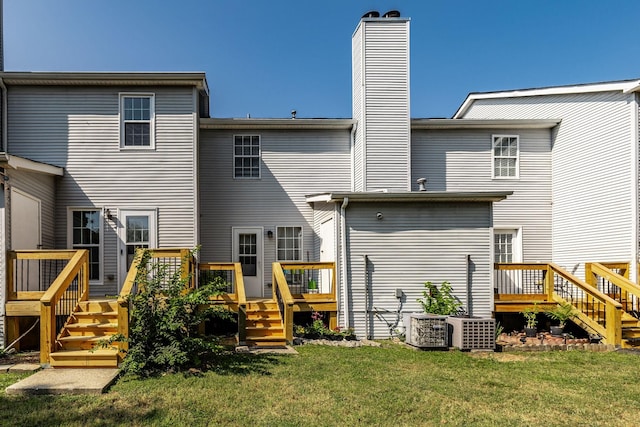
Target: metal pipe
point(468, 278)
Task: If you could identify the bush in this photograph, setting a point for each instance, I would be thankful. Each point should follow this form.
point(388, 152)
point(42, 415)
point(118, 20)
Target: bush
point(165, 317)
point(318, 330)
point(439, 301)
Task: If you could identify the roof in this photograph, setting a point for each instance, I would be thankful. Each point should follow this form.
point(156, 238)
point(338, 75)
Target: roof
point(309, 124)
point(20, 163)
point(623, 86)
point(412, 196)
point(484, 123)
point(69, 78)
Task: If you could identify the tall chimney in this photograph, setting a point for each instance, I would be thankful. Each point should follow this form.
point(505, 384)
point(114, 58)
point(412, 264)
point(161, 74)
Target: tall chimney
point(380, 73)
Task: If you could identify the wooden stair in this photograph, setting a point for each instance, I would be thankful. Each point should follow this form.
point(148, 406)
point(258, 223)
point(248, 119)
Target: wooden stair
point(92, 322)
point(264, 326)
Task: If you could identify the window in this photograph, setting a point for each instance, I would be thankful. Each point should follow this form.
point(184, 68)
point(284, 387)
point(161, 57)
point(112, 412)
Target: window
point(505, 156)
point(85, 230)
point(506, 246)
point(246, 156)
point(289, 243)
point(136, 114)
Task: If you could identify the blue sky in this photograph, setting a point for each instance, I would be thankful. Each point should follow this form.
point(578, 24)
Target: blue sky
point(265, 58)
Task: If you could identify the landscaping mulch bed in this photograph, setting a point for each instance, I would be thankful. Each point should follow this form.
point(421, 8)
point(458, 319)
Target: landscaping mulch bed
point(544, 341)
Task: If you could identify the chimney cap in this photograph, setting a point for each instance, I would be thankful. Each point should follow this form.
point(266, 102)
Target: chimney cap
point(392, 14)
point(371, 14)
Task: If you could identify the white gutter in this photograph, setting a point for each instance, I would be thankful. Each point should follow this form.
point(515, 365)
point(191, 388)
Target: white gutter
point(635, 197)
point(343, 256)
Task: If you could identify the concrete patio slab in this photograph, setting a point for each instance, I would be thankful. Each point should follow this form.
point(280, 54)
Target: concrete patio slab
point(65, 381)
point(25, 367)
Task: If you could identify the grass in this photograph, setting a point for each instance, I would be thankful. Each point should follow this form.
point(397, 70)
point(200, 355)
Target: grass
point(391, 385)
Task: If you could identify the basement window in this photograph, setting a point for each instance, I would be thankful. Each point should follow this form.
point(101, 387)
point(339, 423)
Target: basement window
point(505, 156)
point(246, 156)
point(136, 121)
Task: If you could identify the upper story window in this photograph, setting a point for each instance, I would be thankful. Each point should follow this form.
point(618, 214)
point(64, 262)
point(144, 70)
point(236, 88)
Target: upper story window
point(136, 121)
point(505, 156)
point(246, 156)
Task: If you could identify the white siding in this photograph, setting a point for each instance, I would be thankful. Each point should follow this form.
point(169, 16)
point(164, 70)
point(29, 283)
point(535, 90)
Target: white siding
point(78, 128)
point(358, 110)
point(294, 164)
point(460, 160)
point(383, 111)
point(593, 188)
point(413, 244)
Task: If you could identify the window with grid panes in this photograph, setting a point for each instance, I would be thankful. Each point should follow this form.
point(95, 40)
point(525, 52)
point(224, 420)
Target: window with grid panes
point(503, 246)
point(136, 116)
point(85, 234)
point(505, 156)
point(289, 243)
point(246, 156)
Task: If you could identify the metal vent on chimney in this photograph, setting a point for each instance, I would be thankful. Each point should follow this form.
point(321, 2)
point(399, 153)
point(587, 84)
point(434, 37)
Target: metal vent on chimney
point(392, 14)
point(371, 14)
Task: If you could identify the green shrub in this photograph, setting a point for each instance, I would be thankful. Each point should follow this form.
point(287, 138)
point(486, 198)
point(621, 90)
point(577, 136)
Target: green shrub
point(165, 318)
point(439, 301)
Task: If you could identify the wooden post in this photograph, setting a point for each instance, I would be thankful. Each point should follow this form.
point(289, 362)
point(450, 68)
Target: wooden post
point(242, 324)
point(333, 320)
point(13, 331)
point(10, 291)
point(548, 283)
point(47, 330)
point(614, 325)
point(288, 322)
point(589, 277)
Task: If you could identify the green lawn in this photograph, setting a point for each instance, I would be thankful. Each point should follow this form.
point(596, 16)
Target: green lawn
point(390, 385)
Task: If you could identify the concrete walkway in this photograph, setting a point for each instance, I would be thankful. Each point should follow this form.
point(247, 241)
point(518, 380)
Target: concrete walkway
point(65, 381)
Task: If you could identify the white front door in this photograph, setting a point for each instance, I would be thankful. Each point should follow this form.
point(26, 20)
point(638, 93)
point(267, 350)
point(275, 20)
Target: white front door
point(25, 221)
point(327, 254)
point(137, 230)
point(247, 250)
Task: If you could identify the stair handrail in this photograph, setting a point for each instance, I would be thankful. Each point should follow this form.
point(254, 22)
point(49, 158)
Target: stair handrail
point(124, 302)
point(613, 309)
point(77, 267)
point(603, 270)
point(282, 292)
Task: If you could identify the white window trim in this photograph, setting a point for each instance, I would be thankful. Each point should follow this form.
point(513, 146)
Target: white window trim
point(301, 242)
point(493, 157)
point(516, 242)
point(152, 120)
point(101, 219)
point(233, 166)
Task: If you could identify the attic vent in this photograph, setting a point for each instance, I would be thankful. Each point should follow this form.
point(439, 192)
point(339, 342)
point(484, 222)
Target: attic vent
point(371, 14)
point(392, 14)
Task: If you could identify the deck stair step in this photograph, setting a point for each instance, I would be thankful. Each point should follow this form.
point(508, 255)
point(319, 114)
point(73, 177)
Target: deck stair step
point(79, 342)
point(264, 326)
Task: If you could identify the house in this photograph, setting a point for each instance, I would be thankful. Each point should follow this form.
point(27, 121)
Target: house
point(111, 162)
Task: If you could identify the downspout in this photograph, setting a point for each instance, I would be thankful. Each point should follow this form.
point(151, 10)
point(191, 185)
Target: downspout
point(635, 196)
point(343, 256)
point(467, 259)
point(353, 155)
point(5, 116)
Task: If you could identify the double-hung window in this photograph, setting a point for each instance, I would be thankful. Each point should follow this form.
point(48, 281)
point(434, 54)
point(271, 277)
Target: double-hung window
point(136, 121)
point(289, 243)
point(85, 229)
point(246, 156)
point(505, 156)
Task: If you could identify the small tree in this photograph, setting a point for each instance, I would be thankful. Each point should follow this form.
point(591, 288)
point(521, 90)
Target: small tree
point(439, 301)
point(165, 317)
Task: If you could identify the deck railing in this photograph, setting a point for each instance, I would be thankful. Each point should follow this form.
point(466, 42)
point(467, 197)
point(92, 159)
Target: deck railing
point(230, 272)
point(282, 295)
point(548, 282)
point(61, 298)
point(31, 272)
point(612, 279)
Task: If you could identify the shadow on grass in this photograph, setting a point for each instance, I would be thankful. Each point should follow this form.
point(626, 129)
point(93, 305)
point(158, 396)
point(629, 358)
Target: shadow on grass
point(244, 364)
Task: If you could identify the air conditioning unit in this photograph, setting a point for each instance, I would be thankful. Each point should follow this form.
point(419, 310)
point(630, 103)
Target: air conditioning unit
point(472, 333)
point(426, 330)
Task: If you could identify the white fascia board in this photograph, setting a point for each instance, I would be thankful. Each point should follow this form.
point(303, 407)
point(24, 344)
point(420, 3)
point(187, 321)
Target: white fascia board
point(18, 163)
point(624, 87)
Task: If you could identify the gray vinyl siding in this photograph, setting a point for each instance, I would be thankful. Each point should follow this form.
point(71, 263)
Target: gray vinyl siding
point(42, 187)
point(461, 160)
point(294, 164)
point(593, 188)
point(412, 244)
point(383, 111)
point(78, 128)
